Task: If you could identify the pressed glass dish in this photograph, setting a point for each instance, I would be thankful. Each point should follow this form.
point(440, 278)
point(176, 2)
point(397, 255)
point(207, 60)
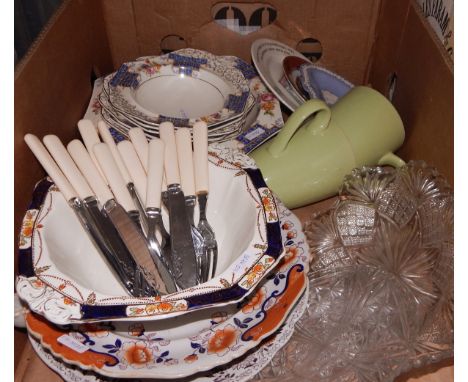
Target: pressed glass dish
point(381, 281)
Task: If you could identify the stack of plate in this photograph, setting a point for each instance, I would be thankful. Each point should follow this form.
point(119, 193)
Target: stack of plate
point(80, 316)
point(183, 87)
point(269, 57)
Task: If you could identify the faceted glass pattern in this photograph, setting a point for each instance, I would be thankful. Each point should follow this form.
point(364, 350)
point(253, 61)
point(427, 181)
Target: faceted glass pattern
point(381, 281)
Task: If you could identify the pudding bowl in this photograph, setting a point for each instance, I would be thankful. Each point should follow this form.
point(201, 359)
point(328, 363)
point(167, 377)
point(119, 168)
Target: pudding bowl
point(63, 277)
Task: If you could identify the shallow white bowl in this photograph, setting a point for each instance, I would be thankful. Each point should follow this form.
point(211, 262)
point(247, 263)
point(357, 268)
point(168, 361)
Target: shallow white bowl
point(64, 277)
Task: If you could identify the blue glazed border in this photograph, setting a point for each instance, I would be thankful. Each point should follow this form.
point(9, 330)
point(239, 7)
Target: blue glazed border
point(25, 261)
point(274, 249)
point(263, 312)
point(274, 241)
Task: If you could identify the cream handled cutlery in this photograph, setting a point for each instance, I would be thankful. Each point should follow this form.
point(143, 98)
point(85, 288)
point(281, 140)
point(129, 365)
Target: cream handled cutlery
point(187, 180)
point(135, 182)
point(200, 155)
point(184, 259)
point(109, 234)
point(111, 250)
point(117, 209)
point(153, 202)
point(118, 212)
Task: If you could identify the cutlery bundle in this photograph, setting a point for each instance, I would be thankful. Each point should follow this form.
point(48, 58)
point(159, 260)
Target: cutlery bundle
point(117, 192)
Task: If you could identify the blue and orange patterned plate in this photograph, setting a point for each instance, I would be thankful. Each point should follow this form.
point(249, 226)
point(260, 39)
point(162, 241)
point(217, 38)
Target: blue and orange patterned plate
point(191, 343)
point(71, 283)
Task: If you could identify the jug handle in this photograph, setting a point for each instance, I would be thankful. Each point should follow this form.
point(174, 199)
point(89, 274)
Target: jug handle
point(308, 108)
point(391, 160)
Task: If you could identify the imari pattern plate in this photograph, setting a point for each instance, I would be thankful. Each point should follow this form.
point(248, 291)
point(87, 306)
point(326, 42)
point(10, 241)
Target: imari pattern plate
point(57, 281)
point(187, 344)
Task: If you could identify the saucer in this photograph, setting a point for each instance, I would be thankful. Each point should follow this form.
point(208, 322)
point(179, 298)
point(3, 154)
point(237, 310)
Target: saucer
point(268, 56)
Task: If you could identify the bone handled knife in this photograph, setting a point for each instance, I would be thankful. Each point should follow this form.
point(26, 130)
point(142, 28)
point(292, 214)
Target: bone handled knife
point(46, 161)
point(138, 138)
point(132, 161)
point(137, 182)
point(67, 190)
point(90, 137)
point(109, 250)
point(184, 259)
point(117, 210)
point(134, 189)
point(84, 162)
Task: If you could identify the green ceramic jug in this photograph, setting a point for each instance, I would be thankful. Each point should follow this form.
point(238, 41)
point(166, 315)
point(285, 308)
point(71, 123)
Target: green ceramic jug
point(319, 145)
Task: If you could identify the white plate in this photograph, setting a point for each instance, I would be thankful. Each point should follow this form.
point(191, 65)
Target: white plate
point(187, 344)
point(239, 370)
point(183, 86)
point(268, 122)
point(268, 56)
point(63, 276)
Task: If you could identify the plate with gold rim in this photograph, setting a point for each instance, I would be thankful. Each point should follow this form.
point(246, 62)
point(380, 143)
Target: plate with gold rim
point(56, 280)
point(187, 344)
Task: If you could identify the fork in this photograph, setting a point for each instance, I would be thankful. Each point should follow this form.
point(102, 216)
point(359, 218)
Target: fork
point(141, 146)
point(187, 180)
point(200, 154)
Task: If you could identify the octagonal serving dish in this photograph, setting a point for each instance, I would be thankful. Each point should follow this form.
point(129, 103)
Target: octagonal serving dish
point(64, 278)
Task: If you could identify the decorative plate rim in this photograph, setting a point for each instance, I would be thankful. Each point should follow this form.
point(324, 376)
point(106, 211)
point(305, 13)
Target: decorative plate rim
point(225, 293)
point(290, 94)
point(249, 343)
point(264, 351)
point(212, 62)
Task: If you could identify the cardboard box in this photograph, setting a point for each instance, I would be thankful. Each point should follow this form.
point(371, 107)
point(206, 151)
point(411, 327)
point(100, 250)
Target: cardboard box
point(386, 44)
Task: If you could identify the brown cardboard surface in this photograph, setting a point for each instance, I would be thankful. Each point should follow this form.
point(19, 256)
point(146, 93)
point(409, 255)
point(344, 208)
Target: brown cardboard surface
point(364, 41)
point(424, 88)
point(345, 29)
point(389, 30)
point(119, 21)
point(424, 96)
point(53, 86)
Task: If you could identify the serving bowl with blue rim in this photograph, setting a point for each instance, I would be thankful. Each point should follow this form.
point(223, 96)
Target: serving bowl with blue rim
point(64, 278)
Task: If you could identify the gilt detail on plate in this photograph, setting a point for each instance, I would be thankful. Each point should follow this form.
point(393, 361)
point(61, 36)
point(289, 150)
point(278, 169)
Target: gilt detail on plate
point(269, 205)
point(157, 308)
point(27, 228)
point(257, 272)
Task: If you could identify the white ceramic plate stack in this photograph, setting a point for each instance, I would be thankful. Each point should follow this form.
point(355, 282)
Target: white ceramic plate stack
point(268, 56)
point(79, 315)
point(182, 87)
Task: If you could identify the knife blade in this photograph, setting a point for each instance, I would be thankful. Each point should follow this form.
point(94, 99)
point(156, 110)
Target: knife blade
point(183, 253)
point(64, 165)
point(104, 226)
point(117, 210)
